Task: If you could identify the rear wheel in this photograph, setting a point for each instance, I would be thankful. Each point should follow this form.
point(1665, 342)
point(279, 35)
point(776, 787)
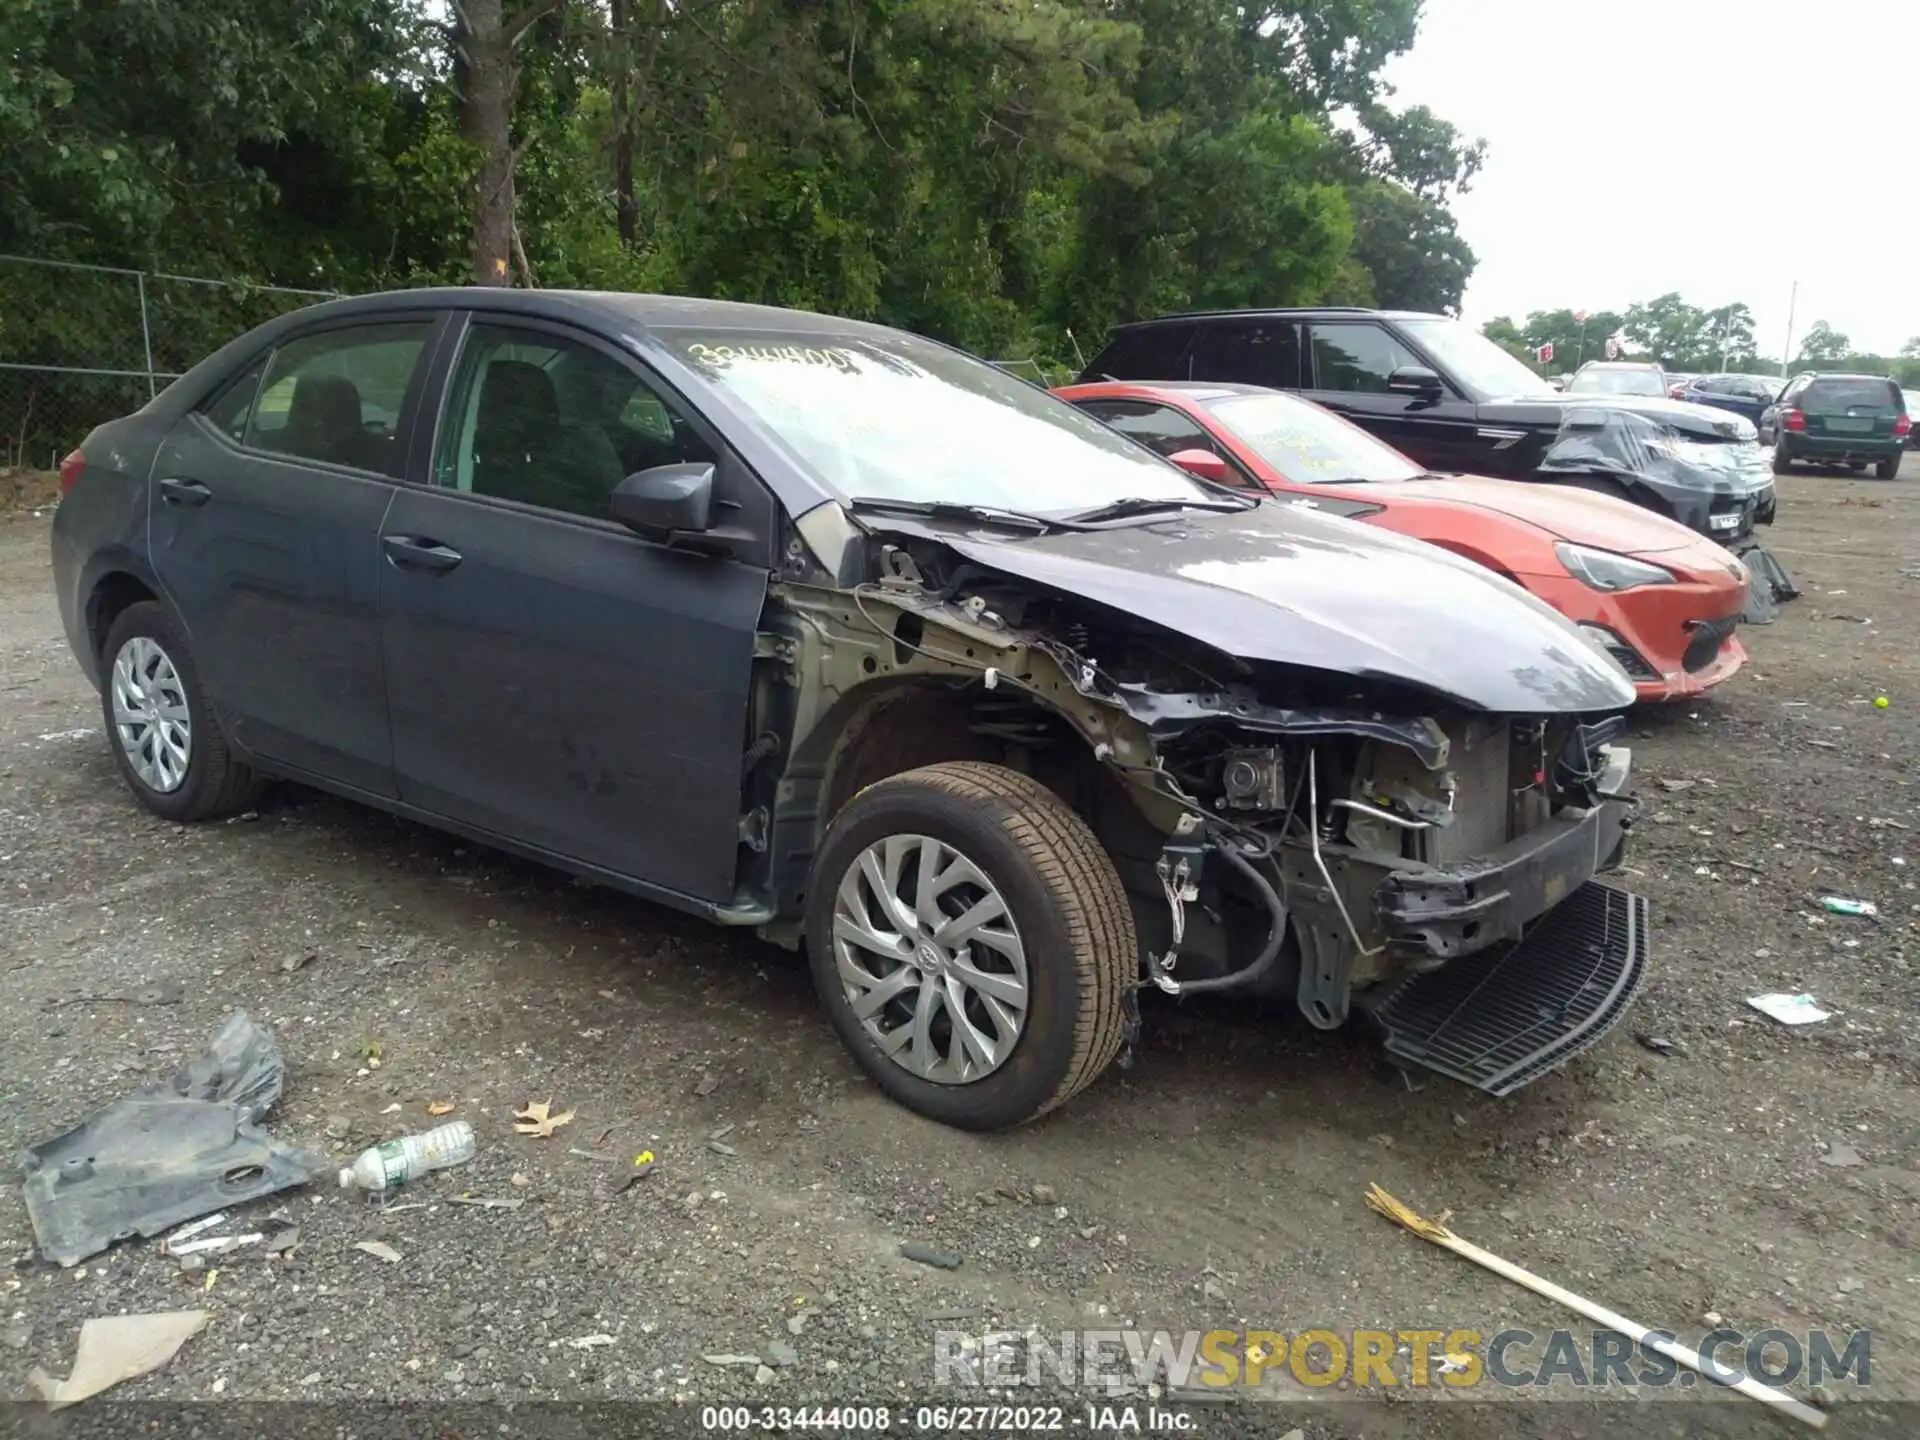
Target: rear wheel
point(163, 732)
point(1782, 461)
point(1888, 468)
point(971, 942)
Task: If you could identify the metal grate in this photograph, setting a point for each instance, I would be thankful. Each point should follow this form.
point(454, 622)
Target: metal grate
point(1707, 638)
point(1506, 1016)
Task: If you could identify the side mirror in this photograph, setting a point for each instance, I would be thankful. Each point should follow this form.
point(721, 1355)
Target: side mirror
point(666, 500)
point(1414, 380)
point(1558, 382)
point(1204, 464)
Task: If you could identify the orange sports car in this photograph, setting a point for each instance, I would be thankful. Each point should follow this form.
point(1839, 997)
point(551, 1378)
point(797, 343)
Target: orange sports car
point(1660, 599)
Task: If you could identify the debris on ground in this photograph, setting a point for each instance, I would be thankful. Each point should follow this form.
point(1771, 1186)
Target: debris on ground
point(1789, 1009)
point(706, 1085)
point(1840, 905)
point(1658, 1044)
point(185, 1147)
point(1841, 1156)
point(927, 1255)
point(167, 992)
point(484, 1202)
point(642, 1167)
point(439, 1107)
point(392, 1163)
point(539, 1119)
point(1437, 1232)
point(379, 1249)
point(117, 1348)
point(588, 1342)
point(215, 1244)
point(294, 963)
point(592, 1155)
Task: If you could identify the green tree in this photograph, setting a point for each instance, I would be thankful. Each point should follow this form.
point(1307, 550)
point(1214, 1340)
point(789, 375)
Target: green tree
point(1409, 247)
point(1824, 345)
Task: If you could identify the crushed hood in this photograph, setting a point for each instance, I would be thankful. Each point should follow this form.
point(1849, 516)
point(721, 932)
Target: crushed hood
point(1581, 517)
point(1287, 585)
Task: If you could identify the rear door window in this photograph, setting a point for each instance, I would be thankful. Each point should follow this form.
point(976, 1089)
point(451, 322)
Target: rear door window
point(1356, 358)
point(1265, 353)
point(1848, 394)
point(336, 397)
point(1160, 428)
point(1156, 353)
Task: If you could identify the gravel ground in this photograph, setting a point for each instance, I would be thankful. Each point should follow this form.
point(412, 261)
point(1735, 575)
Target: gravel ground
point(1757, 1174)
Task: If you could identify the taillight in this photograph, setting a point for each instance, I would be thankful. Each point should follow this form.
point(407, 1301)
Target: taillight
point(1903, 424)
point(1794, 420)
point(70, 469)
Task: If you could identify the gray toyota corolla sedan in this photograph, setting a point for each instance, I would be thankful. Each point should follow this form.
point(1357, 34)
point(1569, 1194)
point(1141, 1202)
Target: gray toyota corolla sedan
point(830, 631)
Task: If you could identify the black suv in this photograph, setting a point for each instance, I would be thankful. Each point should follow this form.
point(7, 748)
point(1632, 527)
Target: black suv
point(1454, 401)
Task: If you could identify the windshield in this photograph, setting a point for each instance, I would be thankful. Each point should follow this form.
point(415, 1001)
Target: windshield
point(1618, 382)
point(1306, 444)
point(1472, 361)
point(896, 417)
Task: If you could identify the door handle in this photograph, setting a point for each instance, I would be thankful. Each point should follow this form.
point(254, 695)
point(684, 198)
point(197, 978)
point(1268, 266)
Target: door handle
point(415, 552)
point(184, 492)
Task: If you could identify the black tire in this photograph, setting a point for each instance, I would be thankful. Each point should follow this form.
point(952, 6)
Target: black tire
point(216, 784)
point(1888, 468)
point(1065, 898)
point(1782, 462)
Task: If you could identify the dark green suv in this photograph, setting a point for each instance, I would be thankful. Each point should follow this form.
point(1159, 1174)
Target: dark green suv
point(1851, 420)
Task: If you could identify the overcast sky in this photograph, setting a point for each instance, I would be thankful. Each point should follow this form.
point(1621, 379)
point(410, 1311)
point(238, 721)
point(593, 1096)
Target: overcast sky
point(1706, 138)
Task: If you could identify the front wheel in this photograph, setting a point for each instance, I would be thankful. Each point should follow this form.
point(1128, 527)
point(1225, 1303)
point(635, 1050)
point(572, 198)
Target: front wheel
point(972, 944)
point(1888, 468)
point(164, 735)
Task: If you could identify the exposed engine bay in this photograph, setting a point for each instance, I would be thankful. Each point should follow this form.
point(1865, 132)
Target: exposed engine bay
point(1279, 829)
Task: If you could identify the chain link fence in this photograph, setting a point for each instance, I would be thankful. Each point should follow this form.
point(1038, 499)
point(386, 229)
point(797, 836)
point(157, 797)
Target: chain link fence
point(80, 344)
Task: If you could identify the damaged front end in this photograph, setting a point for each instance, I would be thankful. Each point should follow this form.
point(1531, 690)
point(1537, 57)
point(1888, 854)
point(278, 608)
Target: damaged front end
point(1704, 468)
point(1344, 840)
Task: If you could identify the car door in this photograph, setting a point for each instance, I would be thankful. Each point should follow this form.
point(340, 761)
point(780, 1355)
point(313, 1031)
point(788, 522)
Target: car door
point(554, 678)
point(1347, 366)
point(1770, 421)
point(265, 525)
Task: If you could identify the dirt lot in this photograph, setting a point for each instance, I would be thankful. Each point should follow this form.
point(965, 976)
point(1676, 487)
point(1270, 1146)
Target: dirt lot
point(1217, 1182)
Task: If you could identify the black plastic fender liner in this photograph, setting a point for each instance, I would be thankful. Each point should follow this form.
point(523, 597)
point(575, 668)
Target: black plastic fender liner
point(1768, 582)
point(186, 1146)
point(1505, 1016)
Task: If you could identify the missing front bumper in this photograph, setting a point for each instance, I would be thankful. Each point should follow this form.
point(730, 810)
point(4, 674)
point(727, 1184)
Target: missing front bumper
point(1504, 1017)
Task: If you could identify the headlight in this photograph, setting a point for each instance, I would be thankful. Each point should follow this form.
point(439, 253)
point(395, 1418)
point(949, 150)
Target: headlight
point(1604, 570)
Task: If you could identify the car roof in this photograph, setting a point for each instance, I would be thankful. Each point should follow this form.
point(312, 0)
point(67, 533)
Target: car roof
point(1295, 312)
point(1843, 375)
point(647, 311)
point(1621, 365)
point(1200, 390)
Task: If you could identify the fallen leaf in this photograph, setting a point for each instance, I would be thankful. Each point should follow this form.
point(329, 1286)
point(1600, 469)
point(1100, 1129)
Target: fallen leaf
point(538, 1119)
point(439, 1107)
point(380, 1250)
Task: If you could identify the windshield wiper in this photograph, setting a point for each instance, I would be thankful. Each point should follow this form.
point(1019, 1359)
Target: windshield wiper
point(953, 510)
point(1132, 505)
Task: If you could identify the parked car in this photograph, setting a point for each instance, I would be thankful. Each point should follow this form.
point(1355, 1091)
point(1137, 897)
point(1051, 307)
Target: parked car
point(1445, 395)
point(1747, 395)
point(812, 626)
point(1912, 397)
point(1851, 420)
point(1620, 377)
point(1662, 600)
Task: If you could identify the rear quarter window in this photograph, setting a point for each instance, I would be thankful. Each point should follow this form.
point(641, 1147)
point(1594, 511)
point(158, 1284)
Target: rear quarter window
point(1158, 353)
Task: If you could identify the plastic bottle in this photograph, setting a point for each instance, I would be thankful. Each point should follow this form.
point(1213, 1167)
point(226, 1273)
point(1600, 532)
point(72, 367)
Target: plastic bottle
point(394, 1162)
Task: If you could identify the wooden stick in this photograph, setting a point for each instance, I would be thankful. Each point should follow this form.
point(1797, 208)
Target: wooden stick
point(1437, 1231)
